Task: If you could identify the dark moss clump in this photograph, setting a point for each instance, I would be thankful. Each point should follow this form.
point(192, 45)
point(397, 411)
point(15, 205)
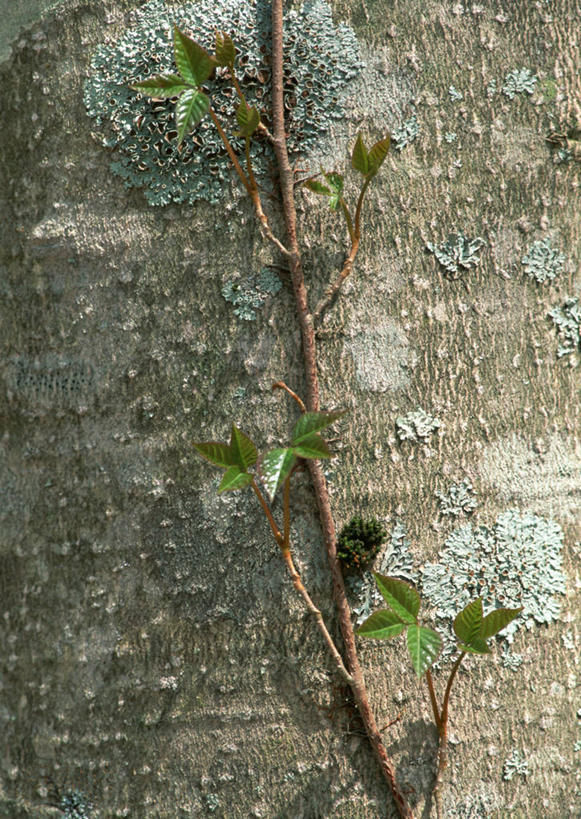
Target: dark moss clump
point(359, 542)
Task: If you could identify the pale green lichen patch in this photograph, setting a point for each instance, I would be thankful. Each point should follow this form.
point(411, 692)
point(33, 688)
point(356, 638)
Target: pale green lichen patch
point(517, 562)
point(251, 294)
point(407, 133)
point(74, 805)
point(417, 425)
point(519, 81)
point(460, 498)
point(455, 95)
point(568, 322)
point(457, 253)
point(319, 56)
point(542, 261)
point(515, 765)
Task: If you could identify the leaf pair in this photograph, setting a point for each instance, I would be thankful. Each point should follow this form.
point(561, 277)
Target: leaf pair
point(276, 464)
point(369, 162)
point(194, 66)
point(473, 630)
point(404, 602)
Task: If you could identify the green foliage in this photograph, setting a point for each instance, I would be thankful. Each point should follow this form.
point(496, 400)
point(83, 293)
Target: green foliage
point(248, 119)
point(225, 50)
point(424, 644)
point(194, 63)
point(369, 163)
point(334, 190)
point(276, 465)
point(190, 108)
point(359, 541)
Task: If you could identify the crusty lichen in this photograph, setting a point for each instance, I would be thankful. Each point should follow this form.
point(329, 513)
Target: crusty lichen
point(320, 58)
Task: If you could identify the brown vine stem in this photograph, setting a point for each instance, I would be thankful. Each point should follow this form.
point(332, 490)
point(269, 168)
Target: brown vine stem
point(313, 403)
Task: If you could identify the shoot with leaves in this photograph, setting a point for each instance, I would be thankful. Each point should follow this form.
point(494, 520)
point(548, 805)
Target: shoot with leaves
point(472, 629)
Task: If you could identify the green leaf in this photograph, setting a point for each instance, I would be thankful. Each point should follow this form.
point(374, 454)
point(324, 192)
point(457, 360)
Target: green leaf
point(310, 422)
point(248, 119)
point(242, 451)
point(215, 452)
point(193, 62)
point(312, 446)
point(275, 468)
point(383, 625)
point(497, 620)
point(225, 50)
point(424, 646)
point(162, 86)
point(336, 182)
point(378, 153)
point(360, 157)
point(468, 623)
point(234, 478)
point(190, 108)
point(477, 646)
point(399, 596)
point(318, 187)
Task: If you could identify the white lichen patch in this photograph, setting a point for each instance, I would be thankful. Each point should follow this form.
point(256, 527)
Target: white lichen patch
point(542, 261)
point(405, 134)
point(382, 356)
point(519, 81)
point(459, 498)
point(544, 476)
point(418, 426)
point(517, 562)
point(457, 253)
point(568, 322)
point(515, 765)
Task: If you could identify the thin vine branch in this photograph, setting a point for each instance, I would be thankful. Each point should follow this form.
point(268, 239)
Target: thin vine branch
point(286, 179)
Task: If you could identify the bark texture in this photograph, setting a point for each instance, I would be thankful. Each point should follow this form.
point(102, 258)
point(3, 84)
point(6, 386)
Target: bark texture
point(154, 655)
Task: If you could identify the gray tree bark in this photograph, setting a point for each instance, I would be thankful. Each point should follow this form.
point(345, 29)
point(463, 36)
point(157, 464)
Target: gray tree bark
point(155, 656)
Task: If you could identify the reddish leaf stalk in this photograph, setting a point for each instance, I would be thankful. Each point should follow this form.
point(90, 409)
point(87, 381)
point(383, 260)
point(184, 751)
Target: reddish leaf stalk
point(442, 725)
point(313, 403)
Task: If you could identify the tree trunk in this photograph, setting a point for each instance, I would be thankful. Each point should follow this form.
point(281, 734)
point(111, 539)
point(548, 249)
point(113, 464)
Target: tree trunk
point(156, 659)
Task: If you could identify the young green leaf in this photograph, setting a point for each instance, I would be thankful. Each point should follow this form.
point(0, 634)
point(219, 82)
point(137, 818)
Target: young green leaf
point(248, 119)
point(225, 50)
point(190, 108)
point(468, 623)
point(318, 187)
point(424, 646)
point(312, 446)
point(383, 625)
point(162, 86)
point(234, 478)
point(360, 157)
point(275, 468)
point(193, 62)
point(335, 181)
point(477, 646)
point(242, 451)
point(400, 596)
point(215, 452)
point(377, 154)
point(310, 422)
point(497, 620)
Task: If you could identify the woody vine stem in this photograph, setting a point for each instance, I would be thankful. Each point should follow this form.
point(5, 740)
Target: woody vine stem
point(306, 323)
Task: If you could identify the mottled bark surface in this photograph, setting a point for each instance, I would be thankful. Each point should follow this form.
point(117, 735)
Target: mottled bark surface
point(154, 653)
